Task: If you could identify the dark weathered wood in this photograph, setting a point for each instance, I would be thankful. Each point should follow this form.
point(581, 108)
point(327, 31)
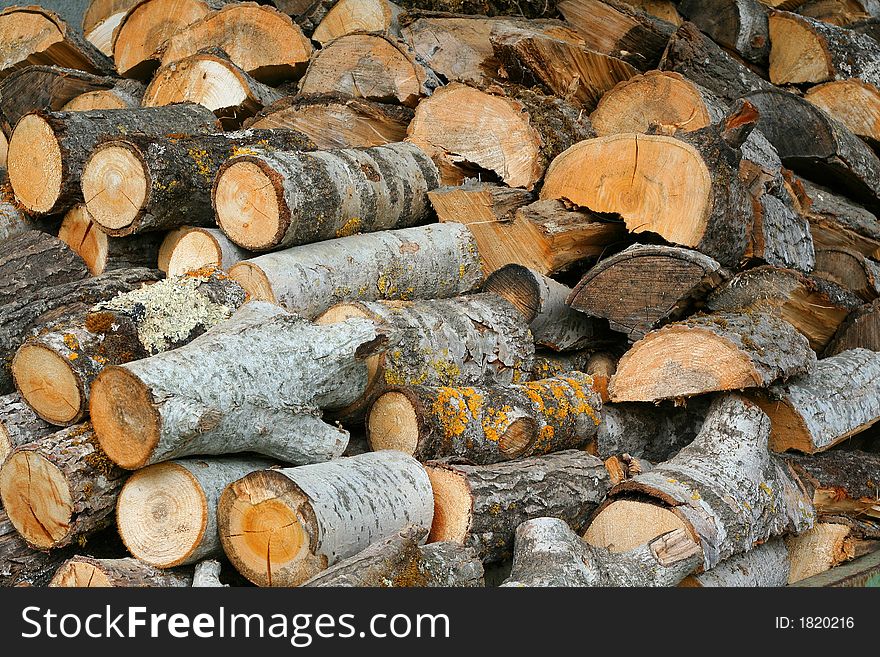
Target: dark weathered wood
point(841, 483)
point(860, 329)
point(850, 270)
point(836, 221)
point(34, 260)
point(740, 25)
point(19, 424)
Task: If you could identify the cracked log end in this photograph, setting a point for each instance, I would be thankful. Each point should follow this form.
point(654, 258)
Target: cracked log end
point(80, 574)
point(254, 281)
point(48, 384)
point(656, 183)
point(196, 250)
point(453, 505)
point(624, 525)
point(37, 498)
point(267, 529)
point(35, 164)
point(249, 204)
point(125, 417)
point(116, 185)
point(162, 514)
point(797, 54)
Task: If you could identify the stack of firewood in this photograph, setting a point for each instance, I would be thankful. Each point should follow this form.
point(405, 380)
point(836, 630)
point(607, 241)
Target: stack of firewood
point(352, 293)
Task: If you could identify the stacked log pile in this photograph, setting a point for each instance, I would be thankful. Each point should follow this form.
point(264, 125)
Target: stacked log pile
point(381, 294)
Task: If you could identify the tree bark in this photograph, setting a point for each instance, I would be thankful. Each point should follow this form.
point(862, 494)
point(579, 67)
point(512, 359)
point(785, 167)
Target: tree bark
point(836, 221)
point(309, 197)
point(840, 483)
point(740, 25)
point(429, 262)
point(320, 514)
point(449, 564)
point(207, 575)
point(19, 425)
point(202, 248)
point(86, 572)
point(765, 565)
point(861, 329)
point(125, 94)
point(32, 261)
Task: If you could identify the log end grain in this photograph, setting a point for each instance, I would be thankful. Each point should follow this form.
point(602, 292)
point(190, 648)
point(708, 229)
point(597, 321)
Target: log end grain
point(453, 505)
point(625, 525)
point(393, 423)
point(195, 250)
point(254, 281)
point(35, 164)
point(115, 185)
point(797, 54)
point(249, 204)
point(80, 574)
point(48, 384)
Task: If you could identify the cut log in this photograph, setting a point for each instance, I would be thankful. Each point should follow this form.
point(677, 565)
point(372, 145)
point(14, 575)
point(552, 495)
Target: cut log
point(850, 270)
point(308, 14)
point(28, 314)
point(200, 248)
point(99, 11)
point(167, 513)
point(548, 553)
point(548, 364)
point(725, 489)
point(840, 483)
point(740, 25)
point(54, 370)
point(542, 301)
point(319, 514)
point(686, 189)
point(805, 50)
point(452, 565)
point(370, 66)
point(707, 353)
point(520, 132)
point(486, 425)
point(838, 222)
point(839, 398)
point(100, 251)
point(545, 236)
point(60, 488)
point(336, 121)
point(19, 424)
point(220, 393)
point(22, 565)
point(840, 12)
point(271, 200)
point(764, 565)
point(643, 287)
point(854, 103)
point(213, 81)
point(824, 547)
point(665, 10)
point(348, 16)
point(13, 220)
point(615, 29)
point(32, 261)
point(48, 150)
point(861, 329)
point(430, 262)
point(474, 340)
point(167, 246)
point(86, 572)
point(139, 183)
point(870, 27)
point(33, 35)
point(4, 149)
point(259, 40)
point(126, 94)
point(481, 506)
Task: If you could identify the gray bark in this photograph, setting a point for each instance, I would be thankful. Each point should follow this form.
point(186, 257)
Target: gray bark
point(766, 565)
point(19, 424)
point(740, 25)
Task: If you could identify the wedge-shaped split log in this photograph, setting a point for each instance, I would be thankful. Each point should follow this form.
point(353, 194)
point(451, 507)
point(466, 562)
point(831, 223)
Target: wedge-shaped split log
point(850, 270)
point(856, 104)
point(318, 515)
point(860, 330)
point(88, 572)
point(740, 25)
point(836, 221)
point(840, 483)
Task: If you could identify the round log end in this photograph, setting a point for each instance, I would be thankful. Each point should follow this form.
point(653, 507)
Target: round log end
point(452, 505)
point(35, 165)
point(37, 498)
point(4, 149)
point(516, 284)
point(102, 99)
point(80, 574)
point(518, 437)
point(79, 232)
point(393, 423)
point(254, 281)
point(249, 202)
point(124, 417)
point(47, 383)
point(162, 514)
point(115, 186)
point(203, 79)
point(195, 250)
point(625, 525)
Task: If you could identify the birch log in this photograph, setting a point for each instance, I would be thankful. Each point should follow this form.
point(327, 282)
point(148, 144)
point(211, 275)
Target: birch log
point(766, 565)
point(319, 514)
point(13, 220)
point(87, 572)
point(19, 425)
point(201, 248)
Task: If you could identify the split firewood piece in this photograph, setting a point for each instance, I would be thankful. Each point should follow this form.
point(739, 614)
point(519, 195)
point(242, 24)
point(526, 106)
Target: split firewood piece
point(33, 35)
point(642, 177)
point(725, 489)
point(400, 561)
point(259, 40)
point(29, 314)
point(318, 515)
point(474, 340)
point(60, 487)
point(740, 25)
point(125, 94)
point(213, 81)
point(548, 553)
point(32, 261)
point(48, 150)
point(831, 152)
point(167, 513)
point(648, 431)
point(542, 301)
point(13, 220)
point(22, 565)
point(698, 58)
point(826, 546)
point(665, 10)
point(100, 20)
point(139, 183)
point(220, 393)
point(708, 353)
point(643, 287)
point(835, 221)
point(371, 66)
point(841, 483)
point(348, 16)
point(837, 399)
point(199, 248)
point(481, 506)
point(19, 424)
point(55, 369)
point(102, 252)
point(812, 305)
point(850, 270)
point(545, 236)
point(861, 329)
point(616, 29)
point(270, 200)
point(856, 104)
point(145, 28)
point(486, 425)
point(521, 131)
point(840, 12)
point(336, 121)
point(87, 572)
point(805, 50)
point(765, 565)
point(427, 262)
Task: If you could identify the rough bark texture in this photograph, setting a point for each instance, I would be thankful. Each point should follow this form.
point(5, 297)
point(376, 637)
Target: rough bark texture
point(840, 483)
point(35, 260)
point(124, 94)
point(20, 565)
point(850, 270)
point(128, 573)
point(861, 329)
point(13, 220)
point(207, 575)
point(431, 262)
point(836, 221)
point(549, 553)
point(486, 504)
point(527, 9)
point(19, 424)
point(449, 564)
point(765, 565)
point(740, 25)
